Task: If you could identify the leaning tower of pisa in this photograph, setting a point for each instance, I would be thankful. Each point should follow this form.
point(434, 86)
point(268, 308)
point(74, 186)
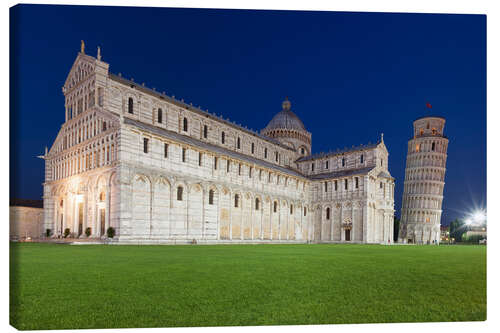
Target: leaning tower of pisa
point(424, 182)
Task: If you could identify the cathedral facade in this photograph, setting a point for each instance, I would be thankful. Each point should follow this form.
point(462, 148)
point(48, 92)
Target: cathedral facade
point(157, 170)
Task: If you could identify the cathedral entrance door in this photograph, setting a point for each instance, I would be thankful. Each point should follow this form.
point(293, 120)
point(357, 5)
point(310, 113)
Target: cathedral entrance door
point(80, 218)
point(348, 235)
point(102, 220)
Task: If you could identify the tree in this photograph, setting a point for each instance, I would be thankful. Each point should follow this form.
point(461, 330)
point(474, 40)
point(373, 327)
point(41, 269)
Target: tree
point(396, 228)
point(457, 229)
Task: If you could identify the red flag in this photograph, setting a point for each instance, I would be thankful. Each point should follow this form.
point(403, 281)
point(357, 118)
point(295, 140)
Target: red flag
point(428, 105)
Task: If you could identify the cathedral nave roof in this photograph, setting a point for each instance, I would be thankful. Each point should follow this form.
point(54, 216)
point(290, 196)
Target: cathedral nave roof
point(342, 173)
point(210, 147)
point(195, 109)
point(338, 152)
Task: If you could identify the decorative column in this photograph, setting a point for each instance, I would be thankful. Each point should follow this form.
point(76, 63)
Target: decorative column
point(85, 199)
point(106, 216)
point(217, 214)
point(230, 216)
point(332, 220)
point(203, 223)
point(279, 219)
point(75, 215)
point(262, 220)
point(364, 237)
point(342, 231)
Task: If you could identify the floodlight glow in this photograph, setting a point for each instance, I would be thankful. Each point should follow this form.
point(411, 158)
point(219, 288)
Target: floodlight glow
point(479, 216)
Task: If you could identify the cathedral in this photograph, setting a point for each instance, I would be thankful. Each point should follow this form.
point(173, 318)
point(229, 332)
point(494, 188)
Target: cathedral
point(154, 169)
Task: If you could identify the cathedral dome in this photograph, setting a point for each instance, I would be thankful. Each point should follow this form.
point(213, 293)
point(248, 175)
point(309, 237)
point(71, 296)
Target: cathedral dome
point(285, 119)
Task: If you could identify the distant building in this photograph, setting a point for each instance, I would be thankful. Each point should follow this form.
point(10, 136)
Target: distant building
point(159, 170)
point(445, 233)
point(475, 231)
point(25, 219)
point(424, 182)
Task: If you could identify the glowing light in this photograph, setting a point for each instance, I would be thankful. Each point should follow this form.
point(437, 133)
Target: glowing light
point(479, 216)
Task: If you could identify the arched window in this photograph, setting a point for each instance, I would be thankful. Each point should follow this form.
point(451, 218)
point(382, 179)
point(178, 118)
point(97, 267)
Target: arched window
point(421, 131)
point(275, 206)
point(326, 186)
point(276, 156)
point(257, 202)
point(130, 105)
point(223, 137)
point(433, 146)
point(238, 145)
point(205, 131)
point(103, 126)
point(211, 197)
point(305, 211)
point(253, 147)
point(328, 213)
point(61, 203)
point(160, 116)
point(327, 164)
point(185, 124)
point(265, 152)
point(302, 151)
point(236, 200)
point(343, 161)
point(179, 193)
point(102, 196)
point(291, 209)
point(362, 158)
point(428, 126)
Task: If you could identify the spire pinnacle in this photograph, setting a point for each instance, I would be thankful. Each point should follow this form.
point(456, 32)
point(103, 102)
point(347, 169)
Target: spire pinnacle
point(98, 53)
point(82, 47)
point(286, 104)
point(382, 137)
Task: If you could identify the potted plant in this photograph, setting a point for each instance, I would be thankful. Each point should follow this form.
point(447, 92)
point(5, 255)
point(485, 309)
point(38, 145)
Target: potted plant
point(111, 232)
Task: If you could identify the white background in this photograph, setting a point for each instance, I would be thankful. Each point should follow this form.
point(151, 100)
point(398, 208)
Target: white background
point(490, 8)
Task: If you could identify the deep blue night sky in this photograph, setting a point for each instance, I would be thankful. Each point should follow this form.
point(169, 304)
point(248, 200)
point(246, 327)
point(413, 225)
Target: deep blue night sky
point(349, 76)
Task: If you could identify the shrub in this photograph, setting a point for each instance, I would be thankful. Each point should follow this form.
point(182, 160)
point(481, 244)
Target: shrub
point(66, 232)
point(472, 239)
point(111, 232)
point(48, 232)
point(88, 232)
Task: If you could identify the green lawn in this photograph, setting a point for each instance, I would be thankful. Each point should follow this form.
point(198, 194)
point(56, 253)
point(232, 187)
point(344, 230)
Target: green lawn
point(56, 286)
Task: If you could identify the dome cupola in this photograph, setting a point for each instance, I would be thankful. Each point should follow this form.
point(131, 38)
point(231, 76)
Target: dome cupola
point(285, 119)
point(288, 129)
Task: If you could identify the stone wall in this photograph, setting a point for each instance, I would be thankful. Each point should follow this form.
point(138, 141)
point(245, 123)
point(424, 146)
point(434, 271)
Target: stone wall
point(25, 222)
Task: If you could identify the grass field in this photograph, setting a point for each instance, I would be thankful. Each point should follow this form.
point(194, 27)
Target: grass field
point(57, 286)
